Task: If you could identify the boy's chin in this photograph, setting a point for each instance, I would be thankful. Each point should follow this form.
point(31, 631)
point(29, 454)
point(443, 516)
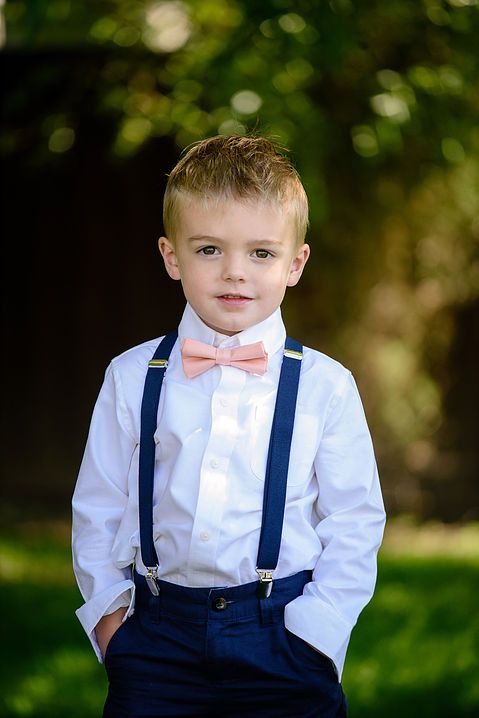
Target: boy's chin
point(229, 330)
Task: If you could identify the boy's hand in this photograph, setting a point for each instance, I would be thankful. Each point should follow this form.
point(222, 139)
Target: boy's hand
point(107, 626)
point(325, 656)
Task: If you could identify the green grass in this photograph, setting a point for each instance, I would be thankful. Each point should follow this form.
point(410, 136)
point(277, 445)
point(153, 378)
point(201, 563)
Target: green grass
point(415, 650)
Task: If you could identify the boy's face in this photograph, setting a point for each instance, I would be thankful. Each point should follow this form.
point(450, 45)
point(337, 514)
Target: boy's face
point(234, 260)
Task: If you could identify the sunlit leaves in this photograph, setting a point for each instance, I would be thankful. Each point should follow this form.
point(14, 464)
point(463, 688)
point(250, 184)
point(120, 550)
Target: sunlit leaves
point(378, 103)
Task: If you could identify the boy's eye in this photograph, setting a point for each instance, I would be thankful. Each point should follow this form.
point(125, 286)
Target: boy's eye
point(262, 253)
point(207, 250)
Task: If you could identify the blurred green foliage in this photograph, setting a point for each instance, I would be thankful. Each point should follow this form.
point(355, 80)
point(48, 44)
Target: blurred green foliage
point(397, 82)
point(378, 102)
point(413, 652)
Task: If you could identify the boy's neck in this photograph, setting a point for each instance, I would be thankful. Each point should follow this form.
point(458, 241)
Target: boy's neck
point(270, 331)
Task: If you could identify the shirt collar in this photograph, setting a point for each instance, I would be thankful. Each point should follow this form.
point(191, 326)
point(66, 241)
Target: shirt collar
point(270, 331)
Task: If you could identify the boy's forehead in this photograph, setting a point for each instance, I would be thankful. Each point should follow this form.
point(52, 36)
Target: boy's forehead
point(210, 210)
point(221, 204)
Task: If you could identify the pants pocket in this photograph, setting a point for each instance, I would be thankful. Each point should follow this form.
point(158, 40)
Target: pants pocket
point(116, 639)
point(308, 655)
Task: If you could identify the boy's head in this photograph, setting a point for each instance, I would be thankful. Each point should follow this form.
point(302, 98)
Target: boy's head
point(235, 215)
point(241, 168)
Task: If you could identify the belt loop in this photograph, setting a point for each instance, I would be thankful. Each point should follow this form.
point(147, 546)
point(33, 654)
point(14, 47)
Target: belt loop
point(154, 608)
point(266, 610)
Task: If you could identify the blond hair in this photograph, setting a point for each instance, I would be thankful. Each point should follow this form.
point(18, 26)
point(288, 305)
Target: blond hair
point(248, 168)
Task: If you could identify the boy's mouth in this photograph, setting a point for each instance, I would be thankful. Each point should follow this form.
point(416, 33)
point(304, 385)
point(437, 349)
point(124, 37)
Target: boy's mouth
point(233, 298)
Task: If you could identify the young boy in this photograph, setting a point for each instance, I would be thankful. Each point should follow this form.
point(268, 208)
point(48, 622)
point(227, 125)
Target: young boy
point(242, 487)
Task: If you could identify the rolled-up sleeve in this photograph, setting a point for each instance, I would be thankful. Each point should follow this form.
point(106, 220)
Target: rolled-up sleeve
point(350, 530)
point(98, 503)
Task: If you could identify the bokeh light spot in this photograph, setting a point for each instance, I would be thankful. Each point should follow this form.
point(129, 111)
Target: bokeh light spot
point(246, 102)
point(231, 127)
point(127, 36)
point(61, 139)
point(391, 106)
point(364, 141)
point(103, 29)
point(452, 150)
point(136, 129)
point(167, 26)
point(292, 22)
point(389, 79)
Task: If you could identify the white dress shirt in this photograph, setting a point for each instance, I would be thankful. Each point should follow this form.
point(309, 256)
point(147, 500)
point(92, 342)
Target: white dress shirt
point(211, 446)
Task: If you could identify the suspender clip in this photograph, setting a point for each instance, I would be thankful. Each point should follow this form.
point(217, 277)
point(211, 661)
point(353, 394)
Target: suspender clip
point(158, 363)
point(265, 585)
point(151, 578)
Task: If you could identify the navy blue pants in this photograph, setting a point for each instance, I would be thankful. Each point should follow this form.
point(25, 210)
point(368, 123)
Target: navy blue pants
point(217, 652)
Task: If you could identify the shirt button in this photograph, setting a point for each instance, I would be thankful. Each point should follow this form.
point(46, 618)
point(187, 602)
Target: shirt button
point(214, 463)
point(204, 536)
point(224, 402)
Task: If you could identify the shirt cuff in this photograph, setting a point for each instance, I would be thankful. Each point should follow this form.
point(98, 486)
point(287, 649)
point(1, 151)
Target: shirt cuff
point(121, 602)
point(318, 623)
point(104, 603)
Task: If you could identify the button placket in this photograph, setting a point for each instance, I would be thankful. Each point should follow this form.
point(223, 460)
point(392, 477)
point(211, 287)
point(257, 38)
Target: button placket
point(214, 468)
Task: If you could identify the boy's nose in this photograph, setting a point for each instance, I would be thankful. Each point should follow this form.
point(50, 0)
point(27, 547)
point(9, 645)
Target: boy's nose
point(234, 271)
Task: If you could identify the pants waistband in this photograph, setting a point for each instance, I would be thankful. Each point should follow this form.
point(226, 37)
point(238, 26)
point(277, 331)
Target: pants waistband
point(222, 604)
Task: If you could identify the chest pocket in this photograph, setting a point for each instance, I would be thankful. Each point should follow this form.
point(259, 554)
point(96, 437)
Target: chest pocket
point(303, 446)
point(178, 429)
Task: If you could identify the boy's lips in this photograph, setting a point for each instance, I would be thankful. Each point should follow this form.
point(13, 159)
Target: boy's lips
point(233, 299)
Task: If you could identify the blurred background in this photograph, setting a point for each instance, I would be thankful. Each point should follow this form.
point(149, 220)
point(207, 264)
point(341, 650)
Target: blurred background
point(378, 103)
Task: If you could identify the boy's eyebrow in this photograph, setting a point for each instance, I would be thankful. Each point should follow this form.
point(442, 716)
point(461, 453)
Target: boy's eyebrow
point(202, 237)
point(252, 242)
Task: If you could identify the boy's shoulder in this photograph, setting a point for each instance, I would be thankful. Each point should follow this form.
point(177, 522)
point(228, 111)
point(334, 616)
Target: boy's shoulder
point(322, 379)
point(136, 356)
point(316, 361)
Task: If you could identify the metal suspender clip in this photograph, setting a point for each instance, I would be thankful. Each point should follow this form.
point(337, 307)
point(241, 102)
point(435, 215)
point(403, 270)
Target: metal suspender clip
point(265, 585)
point(151, 578)
point(158, 363)
point(293, 354)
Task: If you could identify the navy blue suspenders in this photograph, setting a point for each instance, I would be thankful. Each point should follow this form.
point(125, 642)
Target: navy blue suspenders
point(149, 416)
point(276, 466)
point(274, 496)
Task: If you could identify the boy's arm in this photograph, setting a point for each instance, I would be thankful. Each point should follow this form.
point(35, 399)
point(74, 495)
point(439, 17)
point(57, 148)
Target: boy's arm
point(98, 504)
point(350, 530)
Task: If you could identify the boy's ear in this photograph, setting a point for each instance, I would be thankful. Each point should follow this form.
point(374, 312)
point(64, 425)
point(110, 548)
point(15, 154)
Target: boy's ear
point(170, 259)
point(297, 265)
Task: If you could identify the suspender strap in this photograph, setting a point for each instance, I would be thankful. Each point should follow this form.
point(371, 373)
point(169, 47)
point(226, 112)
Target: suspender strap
point(149, 418)
point(274, 497)
point(276, 466)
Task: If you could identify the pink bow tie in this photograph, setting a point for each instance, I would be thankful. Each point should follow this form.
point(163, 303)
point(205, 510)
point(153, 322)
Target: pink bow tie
point(198, 357)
